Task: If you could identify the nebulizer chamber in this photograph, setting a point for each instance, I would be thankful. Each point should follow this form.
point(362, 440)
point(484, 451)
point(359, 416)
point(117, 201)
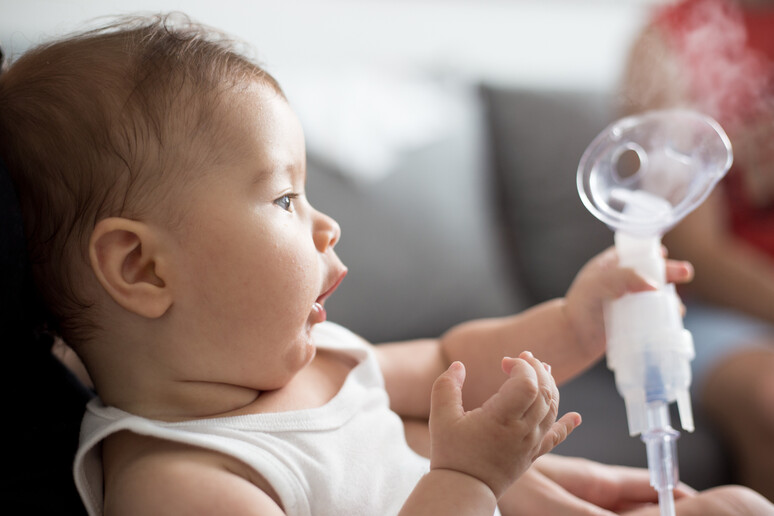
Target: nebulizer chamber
point(641, 176)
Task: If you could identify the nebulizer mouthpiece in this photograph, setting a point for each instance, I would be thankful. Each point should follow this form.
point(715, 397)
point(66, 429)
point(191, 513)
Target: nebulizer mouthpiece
point(641, 176)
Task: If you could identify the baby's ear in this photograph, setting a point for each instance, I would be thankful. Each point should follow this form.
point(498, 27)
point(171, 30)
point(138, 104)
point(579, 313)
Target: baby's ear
point(125, 256)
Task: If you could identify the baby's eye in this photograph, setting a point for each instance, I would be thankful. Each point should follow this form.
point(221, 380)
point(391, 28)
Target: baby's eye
point(286, 201)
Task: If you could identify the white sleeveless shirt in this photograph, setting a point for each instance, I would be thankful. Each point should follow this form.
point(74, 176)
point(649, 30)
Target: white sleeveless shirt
point(348, 457)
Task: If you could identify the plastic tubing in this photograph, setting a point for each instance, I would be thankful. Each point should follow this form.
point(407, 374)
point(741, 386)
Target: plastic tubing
point(659, 441)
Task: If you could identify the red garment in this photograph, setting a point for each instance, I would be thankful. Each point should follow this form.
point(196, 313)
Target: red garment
point(728, 54)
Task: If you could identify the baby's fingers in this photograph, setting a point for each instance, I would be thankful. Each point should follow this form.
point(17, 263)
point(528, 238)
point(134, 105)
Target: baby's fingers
point(547, 400)
point(446, 396)
point(678, 271)
point(517, 395)
point(558, 432)
point(536, 391)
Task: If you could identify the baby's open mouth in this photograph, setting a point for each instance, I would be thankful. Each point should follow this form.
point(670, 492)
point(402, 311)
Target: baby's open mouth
point(325, 295)
point(318, 310)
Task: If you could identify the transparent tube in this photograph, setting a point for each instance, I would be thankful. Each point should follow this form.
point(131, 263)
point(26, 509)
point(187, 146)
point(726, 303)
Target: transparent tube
point(661, 448)
point(641, 176)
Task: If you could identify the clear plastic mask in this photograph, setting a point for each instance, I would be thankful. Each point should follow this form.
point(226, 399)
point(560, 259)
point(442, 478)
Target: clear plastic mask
point(644, 173)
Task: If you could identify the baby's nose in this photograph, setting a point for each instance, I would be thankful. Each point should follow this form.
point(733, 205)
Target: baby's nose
point(326, 232)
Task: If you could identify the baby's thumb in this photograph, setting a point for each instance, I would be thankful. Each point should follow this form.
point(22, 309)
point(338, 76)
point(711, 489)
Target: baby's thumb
point(446, 397)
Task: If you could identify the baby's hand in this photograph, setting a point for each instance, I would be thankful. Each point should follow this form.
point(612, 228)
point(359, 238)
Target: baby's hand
point(497, 442)
point(601, 280)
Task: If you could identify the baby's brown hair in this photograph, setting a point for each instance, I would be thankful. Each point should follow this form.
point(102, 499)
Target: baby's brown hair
point(95, 125)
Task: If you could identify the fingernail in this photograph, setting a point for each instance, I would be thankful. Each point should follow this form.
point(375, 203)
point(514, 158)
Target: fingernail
point(548, 367)
point(527, 354)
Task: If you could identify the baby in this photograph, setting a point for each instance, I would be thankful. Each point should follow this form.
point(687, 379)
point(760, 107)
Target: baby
point(161, 179)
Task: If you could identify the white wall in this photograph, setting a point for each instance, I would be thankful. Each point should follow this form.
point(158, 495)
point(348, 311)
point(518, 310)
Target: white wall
point(556, 43)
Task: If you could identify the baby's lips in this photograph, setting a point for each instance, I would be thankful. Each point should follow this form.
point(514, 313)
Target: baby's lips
point(325, 295)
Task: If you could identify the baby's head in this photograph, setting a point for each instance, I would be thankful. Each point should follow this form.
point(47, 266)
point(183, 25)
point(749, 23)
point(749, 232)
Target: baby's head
point(112, 122)
point(162, 182)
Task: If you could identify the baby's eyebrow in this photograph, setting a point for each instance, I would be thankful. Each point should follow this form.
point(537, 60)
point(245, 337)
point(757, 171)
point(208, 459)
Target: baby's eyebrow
point(293, 170)
point(265, 175)
point(261, 176)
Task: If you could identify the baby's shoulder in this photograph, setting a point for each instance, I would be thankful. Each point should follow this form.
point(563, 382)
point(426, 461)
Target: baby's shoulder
point(147, 475)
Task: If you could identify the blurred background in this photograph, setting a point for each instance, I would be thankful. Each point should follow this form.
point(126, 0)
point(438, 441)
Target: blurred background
point(547, 42)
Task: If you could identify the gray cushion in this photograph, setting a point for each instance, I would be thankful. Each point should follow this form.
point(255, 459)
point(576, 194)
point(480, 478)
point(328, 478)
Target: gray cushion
point(537, 139)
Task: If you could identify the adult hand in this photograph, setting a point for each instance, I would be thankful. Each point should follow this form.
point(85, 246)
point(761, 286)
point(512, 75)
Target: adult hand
point(573, 486)
point(579, 487)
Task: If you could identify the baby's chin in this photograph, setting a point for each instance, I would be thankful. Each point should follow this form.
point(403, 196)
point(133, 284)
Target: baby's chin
point(310, 352)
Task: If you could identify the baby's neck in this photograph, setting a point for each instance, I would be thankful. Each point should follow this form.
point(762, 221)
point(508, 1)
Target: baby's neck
point(192, 400)
point(313, 386)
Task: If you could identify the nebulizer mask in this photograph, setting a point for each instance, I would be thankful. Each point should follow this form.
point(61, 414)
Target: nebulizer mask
point(641, 176)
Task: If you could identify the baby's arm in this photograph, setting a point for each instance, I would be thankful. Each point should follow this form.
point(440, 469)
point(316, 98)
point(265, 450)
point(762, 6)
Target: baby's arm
point(149, 476)
point(476, 455)
point(410, 368)
point(567, 332)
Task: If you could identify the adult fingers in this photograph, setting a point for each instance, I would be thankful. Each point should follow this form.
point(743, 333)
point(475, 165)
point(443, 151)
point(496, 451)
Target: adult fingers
point(611, 487)
point(534, 494)
point(719, 501)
